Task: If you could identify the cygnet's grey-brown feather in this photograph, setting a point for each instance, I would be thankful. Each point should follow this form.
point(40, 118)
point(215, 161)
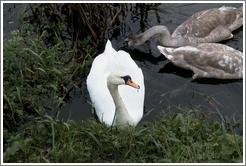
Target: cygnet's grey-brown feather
point(207, 26)
point(207, 60)
point(218, 22)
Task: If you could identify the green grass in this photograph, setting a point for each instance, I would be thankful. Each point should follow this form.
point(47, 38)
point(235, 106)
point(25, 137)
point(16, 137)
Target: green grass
point(34, 74)
point(172, 138)
point(37, 72)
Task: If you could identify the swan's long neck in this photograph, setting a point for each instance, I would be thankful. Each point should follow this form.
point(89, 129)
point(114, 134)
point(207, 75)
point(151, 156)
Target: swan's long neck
point(122, 116)
point(166, 38)
point(113, 89)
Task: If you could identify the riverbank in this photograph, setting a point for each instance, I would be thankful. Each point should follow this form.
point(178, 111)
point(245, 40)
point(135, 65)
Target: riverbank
point(174, 138)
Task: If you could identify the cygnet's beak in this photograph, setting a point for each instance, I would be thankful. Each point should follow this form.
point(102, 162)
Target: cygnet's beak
point(126, 40)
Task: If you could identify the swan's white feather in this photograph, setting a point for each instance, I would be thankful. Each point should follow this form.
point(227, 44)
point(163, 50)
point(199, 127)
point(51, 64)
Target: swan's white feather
point(132, 98)
point(104, 64)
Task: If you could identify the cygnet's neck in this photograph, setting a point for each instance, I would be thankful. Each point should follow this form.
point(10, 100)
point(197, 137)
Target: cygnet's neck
point(166, 38)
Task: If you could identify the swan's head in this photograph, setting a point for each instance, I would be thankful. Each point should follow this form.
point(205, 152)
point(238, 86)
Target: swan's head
point(133, 40)
point(121, 78)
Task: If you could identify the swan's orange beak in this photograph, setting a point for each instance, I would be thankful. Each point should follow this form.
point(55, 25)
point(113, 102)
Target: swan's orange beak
point(132, 84)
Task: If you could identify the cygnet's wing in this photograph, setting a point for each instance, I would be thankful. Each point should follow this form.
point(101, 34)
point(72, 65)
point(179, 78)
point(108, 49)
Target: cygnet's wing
point(207, 60)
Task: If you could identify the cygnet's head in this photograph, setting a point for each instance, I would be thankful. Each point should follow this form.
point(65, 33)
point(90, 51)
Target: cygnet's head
point(133, 40)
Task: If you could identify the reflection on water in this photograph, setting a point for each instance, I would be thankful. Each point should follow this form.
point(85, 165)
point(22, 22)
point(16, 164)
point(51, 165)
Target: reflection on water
point(167, 86)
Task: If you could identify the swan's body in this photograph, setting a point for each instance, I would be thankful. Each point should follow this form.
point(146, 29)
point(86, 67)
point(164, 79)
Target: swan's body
point(116, 105)
point(207, 60)
point(207, 26)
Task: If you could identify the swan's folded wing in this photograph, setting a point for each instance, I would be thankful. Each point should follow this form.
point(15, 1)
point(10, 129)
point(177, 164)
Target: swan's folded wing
point(96, 81)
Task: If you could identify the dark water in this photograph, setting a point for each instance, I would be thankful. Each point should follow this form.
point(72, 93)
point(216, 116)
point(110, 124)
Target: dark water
point(168, 87)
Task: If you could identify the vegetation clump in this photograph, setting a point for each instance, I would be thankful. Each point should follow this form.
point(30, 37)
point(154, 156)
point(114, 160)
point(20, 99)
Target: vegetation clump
point(173, 138)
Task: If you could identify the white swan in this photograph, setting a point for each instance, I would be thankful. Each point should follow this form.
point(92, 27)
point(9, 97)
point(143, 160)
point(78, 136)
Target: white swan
point(207, 60)
point(110, 69)
point(207, 26)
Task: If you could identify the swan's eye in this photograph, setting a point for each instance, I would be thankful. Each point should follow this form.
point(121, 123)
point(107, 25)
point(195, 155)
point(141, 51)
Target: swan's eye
point(127, 78)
